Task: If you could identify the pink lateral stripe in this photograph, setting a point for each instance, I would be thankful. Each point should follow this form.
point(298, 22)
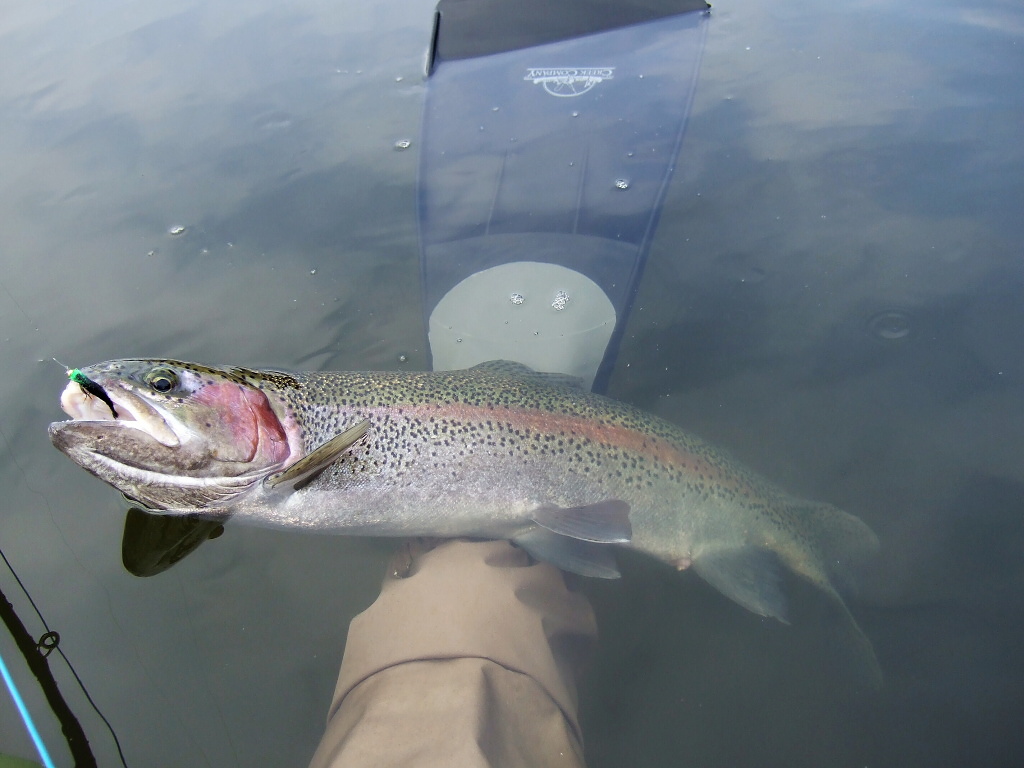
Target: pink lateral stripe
point(546, 422)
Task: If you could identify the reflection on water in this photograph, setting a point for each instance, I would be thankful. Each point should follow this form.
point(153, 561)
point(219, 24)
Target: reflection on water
point(153, 543)
point(832, 294)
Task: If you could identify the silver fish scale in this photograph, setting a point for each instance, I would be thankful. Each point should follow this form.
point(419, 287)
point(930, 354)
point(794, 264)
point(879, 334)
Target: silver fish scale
point(325, 404)
point(412, 413)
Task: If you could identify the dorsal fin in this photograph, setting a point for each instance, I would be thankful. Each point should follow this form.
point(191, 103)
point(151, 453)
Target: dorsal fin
point(520, 371)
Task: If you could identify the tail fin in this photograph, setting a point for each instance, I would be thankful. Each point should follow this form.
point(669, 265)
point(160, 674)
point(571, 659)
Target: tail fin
point(841, 541)
point(818, 543)
point(838, 544)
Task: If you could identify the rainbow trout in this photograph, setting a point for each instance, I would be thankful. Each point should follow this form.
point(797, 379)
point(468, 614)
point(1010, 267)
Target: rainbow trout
point(496, 451)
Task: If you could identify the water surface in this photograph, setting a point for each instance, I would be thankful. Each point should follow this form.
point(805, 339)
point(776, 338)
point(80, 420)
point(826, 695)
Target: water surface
point(834, 294)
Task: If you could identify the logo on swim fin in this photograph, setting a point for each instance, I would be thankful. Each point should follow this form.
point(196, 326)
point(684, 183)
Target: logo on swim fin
point(569, 81)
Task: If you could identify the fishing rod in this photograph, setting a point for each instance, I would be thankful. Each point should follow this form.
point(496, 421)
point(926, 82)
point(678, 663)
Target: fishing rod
point(26, 716)
point(37, 663)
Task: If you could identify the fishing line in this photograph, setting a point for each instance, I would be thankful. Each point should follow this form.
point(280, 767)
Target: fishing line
point(74, 554)
point(55, 646)
point(74, 735)
point(20, 308)
point(110, 610)
point(50, 640)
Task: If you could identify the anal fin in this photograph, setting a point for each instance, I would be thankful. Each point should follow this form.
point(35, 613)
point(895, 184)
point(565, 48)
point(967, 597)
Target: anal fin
point(750, 576)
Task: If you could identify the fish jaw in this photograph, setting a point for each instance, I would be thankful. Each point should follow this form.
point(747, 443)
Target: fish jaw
point(123, 456)
point(201, 446)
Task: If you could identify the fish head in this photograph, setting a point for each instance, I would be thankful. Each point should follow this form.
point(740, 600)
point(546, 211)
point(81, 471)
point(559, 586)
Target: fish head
point(175, 435)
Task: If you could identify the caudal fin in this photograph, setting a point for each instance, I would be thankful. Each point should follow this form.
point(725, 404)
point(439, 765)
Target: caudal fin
point(842, 542)
point(816, 542)
point(837, 545)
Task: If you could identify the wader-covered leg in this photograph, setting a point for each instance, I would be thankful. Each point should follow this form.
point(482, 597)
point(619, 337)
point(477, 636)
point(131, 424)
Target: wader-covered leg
point(469, 660)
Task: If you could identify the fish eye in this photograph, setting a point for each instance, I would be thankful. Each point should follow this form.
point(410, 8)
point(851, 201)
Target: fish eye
point(162, 380)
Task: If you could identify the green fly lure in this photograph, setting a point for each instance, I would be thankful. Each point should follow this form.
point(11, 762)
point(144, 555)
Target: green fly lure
point(89, 387)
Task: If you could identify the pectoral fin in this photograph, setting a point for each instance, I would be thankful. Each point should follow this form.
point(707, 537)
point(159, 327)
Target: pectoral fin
point(306, 469)
point(583, 557)
point(606, 522)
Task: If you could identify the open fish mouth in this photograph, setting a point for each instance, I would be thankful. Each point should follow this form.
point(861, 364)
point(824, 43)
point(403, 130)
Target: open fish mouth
point(142, 451)
point(133, 412)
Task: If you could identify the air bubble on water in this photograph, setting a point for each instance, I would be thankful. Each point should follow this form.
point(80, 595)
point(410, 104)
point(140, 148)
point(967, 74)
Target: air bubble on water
point(622, 183)
point(176, 230)
point(402, 144)
point(630, 154)
point(495, 109)
point(561, 299)
point(575, 114)
point(517, 298)
point(891, 324)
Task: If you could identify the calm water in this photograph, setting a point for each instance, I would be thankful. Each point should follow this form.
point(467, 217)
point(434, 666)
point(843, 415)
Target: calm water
point(835, 294)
